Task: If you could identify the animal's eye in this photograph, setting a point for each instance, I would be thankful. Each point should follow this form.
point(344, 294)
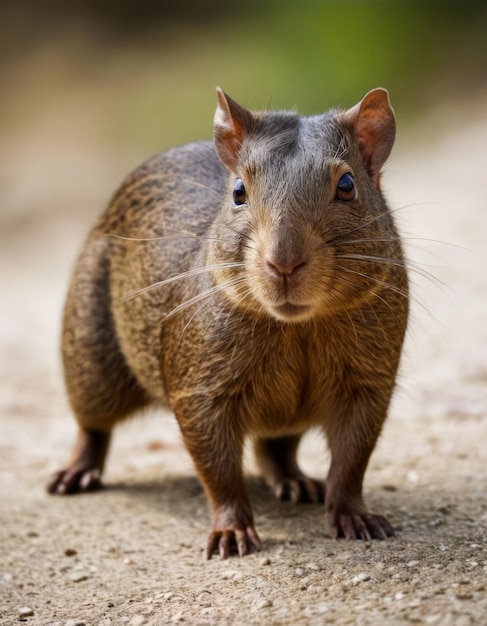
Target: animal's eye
point(346, 188)
point(239, 193)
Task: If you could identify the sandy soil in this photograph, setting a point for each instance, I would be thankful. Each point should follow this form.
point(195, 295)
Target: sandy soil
point(133, 554)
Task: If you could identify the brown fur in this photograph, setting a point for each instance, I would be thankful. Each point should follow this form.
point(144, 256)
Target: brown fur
point(291, 315)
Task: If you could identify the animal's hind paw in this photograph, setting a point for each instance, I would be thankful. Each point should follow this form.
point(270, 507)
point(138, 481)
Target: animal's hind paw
point(300, 489)
point(74, 479)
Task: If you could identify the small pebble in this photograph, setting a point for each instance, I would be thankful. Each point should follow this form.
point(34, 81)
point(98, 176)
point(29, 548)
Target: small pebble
point(75, 622)
point(231, 574)
point(77, 577)
point(319, 608)
point(415, 603)
point(413, 476)
point(360, 578)
point(313, 567)
point(70, 552)
point(265, 561)
point(26, 611)
point(138, 620)
point(264, 604)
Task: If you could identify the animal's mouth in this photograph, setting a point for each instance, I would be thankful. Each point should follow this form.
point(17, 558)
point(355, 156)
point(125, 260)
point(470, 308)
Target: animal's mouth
point(291, 312)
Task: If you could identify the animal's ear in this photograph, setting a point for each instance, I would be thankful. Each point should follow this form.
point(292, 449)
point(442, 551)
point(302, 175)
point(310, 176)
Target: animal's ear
point(373, 123)
point(231, 124)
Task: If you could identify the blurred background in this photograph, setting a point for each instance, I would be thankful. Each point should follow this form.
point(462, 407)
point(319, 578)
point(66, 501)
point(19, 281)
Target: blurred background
point(90, 88)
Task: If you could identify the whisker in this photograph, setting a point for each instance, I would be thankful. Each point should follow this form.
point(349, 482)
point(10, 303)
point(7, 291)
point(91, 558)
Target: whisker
point(236, 232)
point(244, 295)
point(374, 293)
point(202, 296)
point(198, 184)
point(198, 310)
point(375, 219)
point(377, 296)
point(381, 283)
point(409, 245)
point(165, 237)
point(337, 301)
point(189, 273)
point(389, 287)
point(414, 267)
point(401, 238)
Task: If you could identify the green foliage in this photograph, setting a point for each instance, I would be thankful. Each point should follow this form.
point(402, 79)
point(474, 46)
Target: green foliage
point(311, 55)
point(149, 75)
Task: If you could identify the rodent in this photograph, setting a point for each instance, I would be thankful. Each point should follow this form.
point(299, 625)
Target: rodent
point(256, 284)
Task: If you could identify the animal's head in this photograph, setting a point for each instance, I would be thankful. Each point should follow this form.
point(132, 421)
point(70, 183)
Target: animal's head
point(303, 200)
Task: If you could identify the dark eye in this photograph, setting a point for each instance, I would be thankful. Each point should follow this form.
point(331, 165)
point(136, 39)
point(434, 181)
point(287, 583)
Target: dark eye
point(346, 188)
point(239, 193)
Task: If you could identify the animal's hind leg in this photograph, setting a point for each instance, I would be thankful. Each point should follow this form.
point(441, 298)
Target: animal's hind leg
point(278, 464)
point(101, 387)
point(84, 468)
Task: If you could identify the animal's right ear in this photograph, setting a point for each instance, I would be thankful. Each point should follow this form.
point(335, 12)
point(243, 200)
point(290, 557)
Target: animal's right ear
point(373, 123)
point(231, 124)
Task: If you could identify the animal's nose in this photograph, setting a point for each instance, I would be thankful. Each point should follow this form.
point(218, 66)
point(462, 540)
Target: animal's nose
point(278, 269)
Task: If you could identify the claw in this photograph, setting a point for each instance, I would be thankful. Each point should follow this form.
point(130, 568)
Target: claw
point(300, 489)
point(224, 545)
point(76, 480)
point(238, 540)
point(254, 537)
point(367, 526)
point(242, 543)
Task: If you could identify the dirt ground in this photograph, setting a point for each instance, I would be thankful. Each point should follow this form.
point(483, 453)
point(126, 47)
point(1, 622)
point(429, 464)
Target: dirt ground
point(133, 554)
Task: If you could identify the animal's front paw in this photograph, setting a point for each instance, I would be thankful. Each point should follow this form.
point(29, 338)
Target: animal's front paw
point(233, 531)
point(236, 540)
point(364, 526)
point(74, 479)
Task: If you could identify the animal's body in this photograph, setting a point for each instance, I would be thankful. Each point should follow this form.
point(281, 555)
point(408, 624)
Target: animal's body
point(276, 301)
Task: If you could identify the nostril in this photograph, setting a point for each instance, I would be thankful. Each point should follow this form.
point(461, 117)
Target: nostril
point(273, 269)
point(277, 269)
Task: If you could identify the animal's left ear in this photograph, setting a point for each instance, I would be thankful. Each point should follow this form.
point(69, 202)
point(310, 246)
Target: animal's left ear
point(231, 124)
point(373, 124)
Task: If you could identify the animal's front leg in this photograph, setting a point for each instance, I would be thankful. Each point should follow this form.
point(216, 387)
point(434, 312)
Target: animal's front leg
point(216, 446)
point(352, 438)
